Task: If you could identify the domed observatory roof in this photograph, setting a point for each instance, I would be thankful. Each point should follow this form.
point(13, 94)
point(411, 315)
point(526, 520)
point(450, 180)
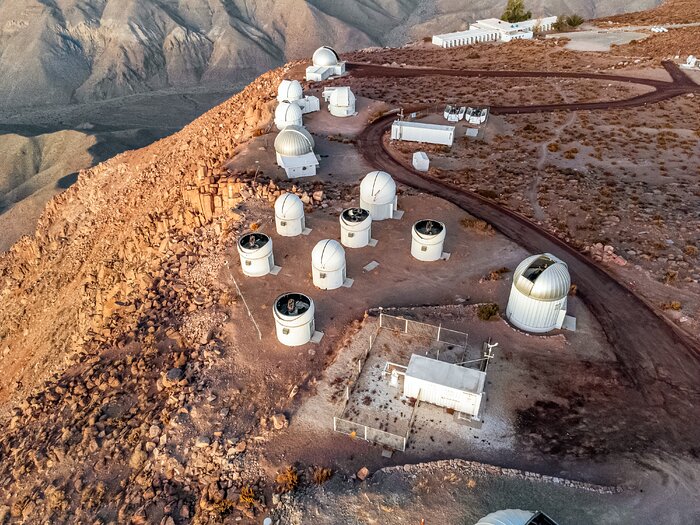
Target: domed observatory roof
point(325, 56)
point(427, 240)
point(538, 296)
point(287, 114)
point(290, 91)
point(328, 264)
point(294, 318)
point(294, 141)
point(507, 517)
point(378, 195)
point(255, 252)
point(289, 215)
point(355, 228)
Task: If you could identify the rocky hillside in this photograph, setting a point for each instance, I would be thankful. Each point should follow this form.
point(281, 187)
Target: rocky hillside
point(78, 50)
point(108, 319)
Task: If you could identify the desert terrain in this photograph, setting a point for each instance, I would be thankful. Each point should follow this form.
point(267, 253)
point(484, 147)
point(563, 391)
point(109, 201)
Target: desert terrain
point(143, 382)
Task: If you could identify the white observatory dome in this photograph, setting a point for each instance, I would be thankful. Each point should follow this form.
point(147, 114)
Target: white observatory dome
point(325, 57)
point(289, 91)
point(378, 195)
point(294, 318)
point(289, 215)
point(328, 264)
point(538, 295)
point(355, 228)
point(287, 114)
point(427, 240)
point(507, 517)
point(255, 251)
point(294, 141)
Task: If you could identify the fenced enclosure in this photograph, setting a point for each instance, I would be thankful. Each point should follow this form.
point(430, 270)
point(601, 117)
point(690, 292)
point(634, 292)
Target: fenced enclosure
point(372, 409)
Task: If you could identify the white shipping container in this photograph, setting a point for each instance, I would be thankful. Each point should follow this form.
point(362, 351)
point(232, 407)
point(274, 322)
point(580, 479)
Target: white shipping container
point(421, 132)
point(444, 384)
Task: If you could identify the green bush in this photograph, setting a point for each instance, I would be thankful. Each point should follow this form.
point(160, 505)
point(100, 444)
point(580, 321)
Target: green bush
point(515, 12)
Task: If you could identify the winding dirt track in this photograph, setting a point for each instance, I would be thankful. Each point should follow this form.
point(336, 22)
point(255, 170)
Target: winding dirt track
point(654, 353)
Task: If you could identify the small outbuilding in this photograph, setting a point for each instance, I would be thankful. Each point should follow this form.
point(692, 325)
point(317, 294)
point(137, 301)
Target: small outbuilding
point(325, 64)
point(378, 195)
point(289, 215)
point(421, 162)
point(445, 385)
point(255, 252)
point(294, 318)
point(355, 228)
point(428, 240)
point(328, 265)
point(287, 114)
point(422, 132)
point(294, 148)
point(341, 101)
point(538, 295)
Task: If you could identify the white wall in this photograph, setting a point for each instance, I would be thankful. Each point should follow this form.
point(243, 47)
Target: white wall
point(442, 396)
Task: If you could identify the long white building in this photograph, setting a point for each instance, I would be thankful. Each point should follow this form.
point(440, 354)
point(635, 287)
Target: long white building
point(422, 132)
point(494, 30)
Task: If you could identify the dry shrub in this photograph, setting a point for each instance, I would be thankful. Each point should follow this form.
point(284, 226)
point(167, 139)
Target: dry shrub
point(553, 147)
point(495, 275)
point(476, 225)
point(321, 475)
point(672, 305)
point(246, 499)
point(571, 153)
point(488, 311)
point(670, 276)
point(573, 289)
point(224, 507)
point(690, 250)
point(287, 480)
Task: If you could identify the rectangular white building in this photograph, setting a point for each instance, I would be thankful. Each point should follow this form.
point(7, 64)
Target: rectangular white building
point(421, 132)
point(494, 30)
point(298, 166)
point(445, 384)
point(319, 73)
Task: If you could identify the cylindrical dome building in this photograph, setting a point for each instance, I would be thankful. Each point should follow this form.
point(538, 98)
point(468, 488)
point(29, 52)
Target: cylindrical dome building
point(255, 251)
point(294, 318)
point(427, 240)
point(538, 295)
point(355, 228)
point(325, 57)
point(328, 264)
point(287, 114)
point(378, 195)
point(507, 517)
point(289, 215)
point(289, 91)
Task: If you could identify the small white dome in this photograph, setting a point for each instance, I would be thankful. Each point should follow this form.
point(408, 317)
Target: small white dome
point(325, 57)
point(289, 90)
point(507, 517)
point(287, 114)
point(378, 188)
point(328, 256)
point(289, 207)
point(543, 277)
point(294, 141)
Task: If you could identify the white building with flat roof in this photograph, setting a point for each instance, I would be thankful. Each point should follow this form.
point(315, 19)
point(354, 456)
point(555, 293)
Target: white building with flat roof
point(445, 384)
point(495, 30)
point(422, 132)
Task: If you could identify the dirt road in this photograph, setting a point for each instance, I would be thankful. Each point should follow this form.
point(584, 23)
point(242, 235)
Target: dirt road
point(655, 354)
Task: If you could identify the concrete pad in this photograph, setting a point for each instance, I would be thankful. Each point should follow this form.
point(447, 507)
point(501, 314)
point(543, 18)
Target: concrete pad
point(306, 231)
point(445, 256)
point(275, 270)
point(398, 215)
point(371, 266)
point(569, 323)
point(347, 283)
point(372, 242)
point(316, 338)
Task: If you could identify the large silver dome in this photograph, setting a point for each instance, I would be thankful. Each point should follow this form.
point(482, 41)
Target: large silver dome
point(325, 57)
point(543, 277)
point(294, 141)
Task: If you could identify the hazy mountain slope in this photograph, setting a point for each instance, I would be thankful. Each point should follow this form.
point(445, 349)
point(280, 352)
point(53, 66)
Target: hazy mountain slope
point(62, 51)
